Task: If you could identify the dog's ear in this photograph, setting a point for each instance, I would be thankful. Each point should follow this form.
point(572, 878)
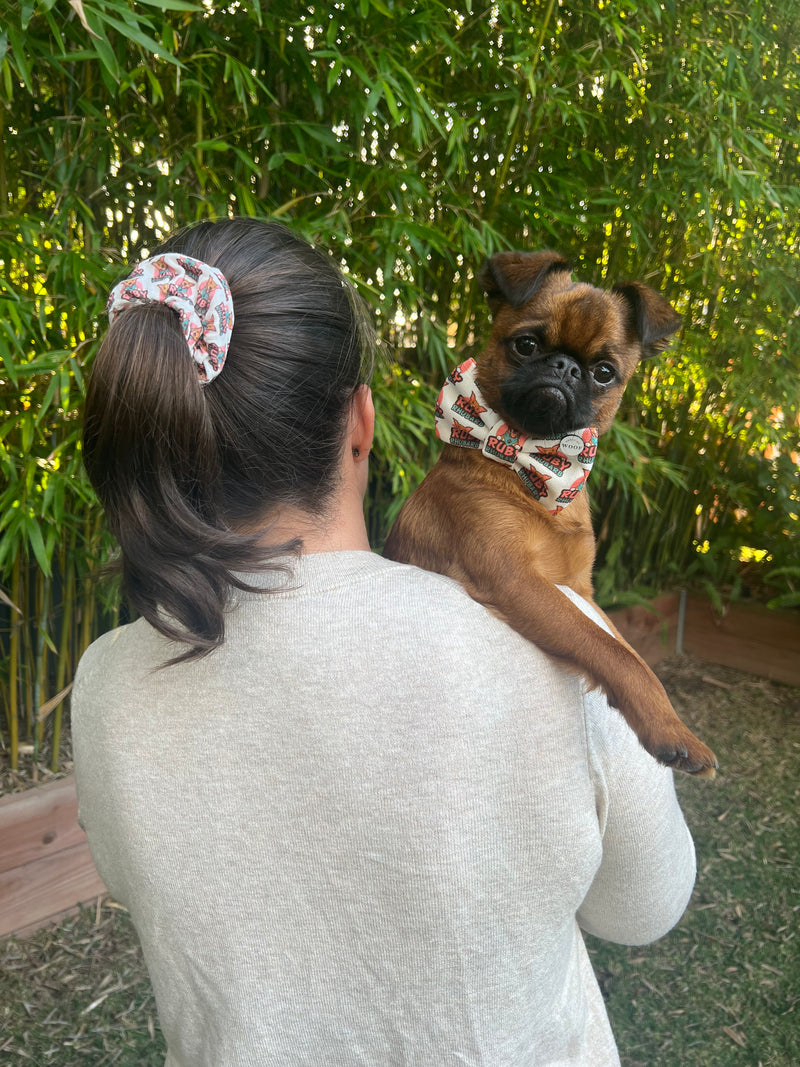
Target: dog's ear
point(514, 277)
point(651, 317)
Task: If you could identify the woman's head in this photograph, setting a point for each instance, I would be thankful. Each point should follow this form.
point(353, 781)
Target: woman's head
point(185, 469)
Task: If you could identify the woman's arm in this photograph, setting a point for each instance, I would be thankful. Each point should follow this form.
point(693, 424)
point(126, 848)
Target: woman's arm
point(648, 868)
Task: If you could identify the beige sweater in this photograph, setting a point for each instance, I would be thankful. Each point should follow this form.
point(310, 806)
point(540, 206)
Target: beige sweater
point(365, 831)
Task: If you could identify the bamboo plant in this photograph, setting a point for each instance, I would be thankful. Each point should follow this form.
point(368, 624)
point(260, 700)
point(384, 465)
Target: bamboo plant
point(643, 139)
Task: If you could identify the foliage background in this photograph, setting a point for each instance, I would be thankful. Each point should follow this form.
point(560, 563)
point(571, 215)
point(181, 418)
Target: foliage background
point(647, 139)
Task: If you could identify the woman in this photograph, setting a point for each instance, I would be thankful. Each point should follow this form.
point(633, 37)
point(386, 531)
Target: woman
point(355, 818)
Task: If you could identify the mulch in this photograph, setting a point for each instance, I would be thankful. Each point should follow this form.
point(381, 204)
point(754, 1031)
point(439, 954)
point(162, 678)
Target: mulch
point(32, 772)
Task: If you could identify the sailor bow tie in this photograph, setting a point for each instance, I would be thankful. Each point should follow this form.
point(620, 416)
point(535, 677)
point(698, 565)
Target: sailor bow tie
point(553, 470)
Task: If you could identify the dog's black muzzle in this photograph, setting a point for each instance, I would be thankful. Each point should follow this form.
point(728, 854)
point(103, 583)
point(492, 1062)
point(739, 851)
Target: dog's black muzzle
point(549, 396)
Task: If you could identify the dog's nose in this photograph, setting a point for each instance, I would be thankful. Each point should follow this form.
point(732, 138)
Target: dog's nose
point(565, 366)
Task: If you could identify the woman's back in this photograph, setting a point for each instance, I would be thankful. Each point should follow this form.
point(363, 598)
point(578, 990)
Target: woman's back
point(359, 832)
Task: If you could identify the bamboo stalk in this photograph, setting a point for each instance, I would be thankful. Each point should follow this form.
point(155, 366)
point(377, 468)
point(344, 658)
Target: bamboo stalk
point(3, 178)
point(40, 665)
point(198, 133)
point(65, 645)
point(13, 681)
point(26, 649)
point(40, 596)
point(88, 611)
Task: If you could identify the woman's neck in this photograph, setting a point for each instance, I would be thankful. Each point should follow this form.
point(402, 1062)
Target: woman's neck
point(339, 528)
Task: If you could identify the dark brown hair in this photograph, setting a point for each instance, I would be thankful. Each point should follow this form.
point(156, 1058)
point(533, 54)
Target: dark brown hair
point(183, 469)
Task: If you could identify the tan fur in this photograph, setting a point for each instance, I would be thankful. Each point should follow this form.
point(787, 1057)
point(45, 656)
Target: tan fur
point(474, 520)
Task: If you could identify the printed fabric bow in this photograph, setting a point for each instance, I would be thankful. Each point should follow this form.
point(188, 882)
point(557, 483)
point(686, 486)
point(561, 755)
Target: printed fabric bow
point(554, 471)
point(200, 295)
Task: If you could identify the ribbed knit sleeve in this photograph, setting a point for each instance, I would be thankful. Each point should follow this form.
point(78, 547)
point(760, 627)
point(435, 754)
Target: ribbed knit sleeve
point(648, 868)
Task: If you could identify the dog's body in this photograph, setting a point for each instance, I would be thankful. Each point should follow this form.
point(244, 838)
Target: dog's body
point(557, 361)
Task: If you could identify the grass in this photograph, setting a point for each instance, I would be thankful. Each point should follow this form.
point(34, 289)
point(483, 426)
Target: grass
point(78, 993)
point(720, 990)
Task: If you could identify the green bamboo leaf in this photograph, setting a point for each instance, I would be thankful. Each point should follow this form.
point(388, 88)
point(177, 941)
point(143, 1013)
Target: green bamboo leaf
point(27, 428)
point(214, 145)
point(36, 542)
point(249, 164)
point(100, 47)
point(334, 70)
point(391, 103)
point(172, 5)
point(10, 548)
point(8, 81)
point(628, 86)
point(373, 98)
point(18, 56)
point(47, 400)
point(133, 33)
point(256, 6)
point(55, 28)
point(10, 368)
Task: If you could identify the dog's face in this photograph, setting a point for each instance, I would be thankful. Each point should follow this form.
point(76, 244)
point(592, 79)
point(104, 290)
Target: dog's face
point(561, 353)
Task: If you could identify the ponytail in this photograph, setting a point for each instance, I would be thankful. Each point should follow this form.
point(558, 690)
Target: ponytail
point(183, 468)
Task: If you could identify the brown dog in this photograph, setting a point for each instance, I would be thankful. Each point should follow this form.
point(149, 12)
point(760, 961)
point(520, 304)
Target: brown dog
point(555, 367)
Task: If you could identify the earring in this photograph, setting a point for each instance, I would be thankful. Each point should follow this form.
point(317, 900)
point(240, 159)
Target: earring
point(356, 453)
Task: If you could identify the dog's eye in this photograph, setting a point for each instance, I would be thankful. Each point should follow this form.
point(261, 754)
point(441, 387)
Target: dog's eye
point(525, 345)
point(604, 373)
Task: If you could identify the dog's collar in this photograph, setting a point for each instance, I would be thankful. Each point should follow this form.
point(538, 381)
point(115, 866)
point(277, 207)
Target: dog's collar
point(554, 471)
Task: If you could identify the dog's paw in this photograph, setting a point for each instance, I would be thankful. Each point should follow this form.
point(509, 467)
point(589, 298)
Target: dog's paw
point(653, 719)
point(683, 752)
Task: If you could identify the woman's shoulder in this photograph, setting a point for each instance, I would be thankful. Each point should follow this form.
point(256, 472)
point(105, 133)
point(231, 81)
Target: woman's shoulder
point(125, 642)
point(405, 587)
point(455, 625)
point(362, 578)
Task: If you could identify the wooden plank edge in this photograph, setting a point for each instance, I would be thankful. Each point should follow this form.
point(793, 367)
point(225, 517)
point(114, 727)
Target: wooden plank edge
point(57, 917)
point(47, 887)
point(38, 822)
point(750, 638)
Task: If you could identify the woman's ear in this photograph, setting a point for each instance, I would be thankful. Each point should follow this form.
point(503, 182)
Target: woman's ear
point(362, 423)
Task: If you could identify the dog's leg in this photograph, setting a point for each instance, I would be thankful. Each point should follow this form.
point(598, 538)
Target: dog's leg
point(543, 614)
point(491, 552)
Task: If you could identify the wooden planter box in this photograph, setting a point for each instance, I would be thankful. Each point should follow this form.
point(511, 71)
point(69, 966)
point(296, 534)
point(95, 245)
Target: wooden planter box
point(45, 866)
point(46, 870)
point(752, 639)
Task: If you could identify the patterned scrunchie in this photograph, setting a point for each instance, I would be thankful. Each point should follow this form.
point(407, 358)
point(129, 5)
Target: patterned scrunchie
point(200, 295)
